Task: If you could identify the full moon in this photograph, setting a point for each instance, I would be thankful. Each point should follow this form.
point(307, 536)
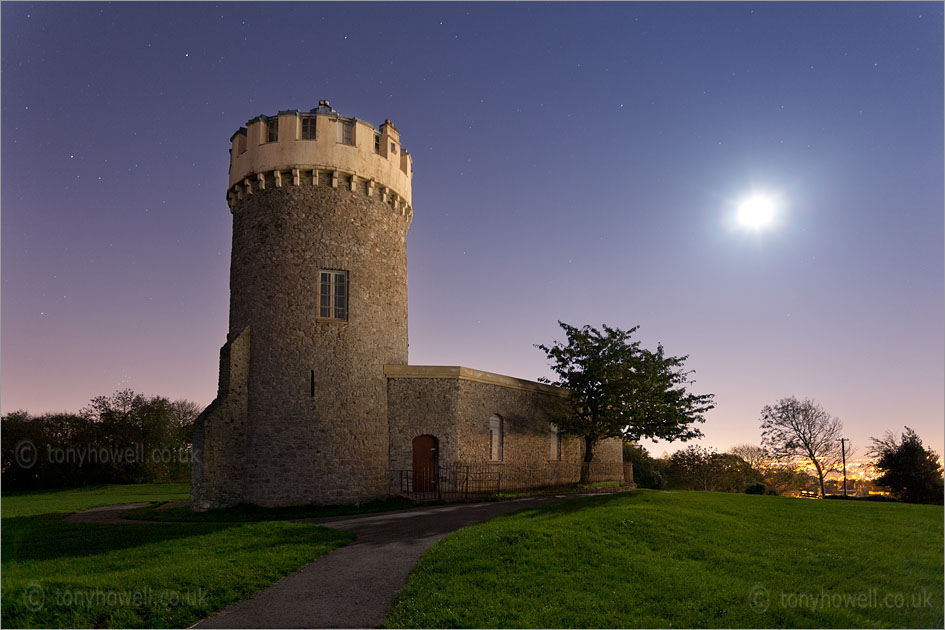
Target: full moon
point(756, 212)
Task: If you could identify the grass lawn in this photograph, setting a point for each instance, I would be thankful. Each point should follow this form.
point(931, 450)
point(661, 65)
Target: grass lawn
point(253, 513)
point(60, 574)
point(685, 559)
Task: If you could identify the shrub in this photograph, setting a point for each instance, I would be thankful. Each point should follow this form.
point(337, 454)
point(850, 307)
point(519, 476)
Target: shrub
point(757, 488)
point(646, 470)
point(651, 479)
point(124, 438)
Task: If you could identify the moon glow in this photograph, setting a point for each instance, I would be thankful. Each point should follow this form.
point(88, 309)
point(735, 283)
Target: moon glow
point(756, 212)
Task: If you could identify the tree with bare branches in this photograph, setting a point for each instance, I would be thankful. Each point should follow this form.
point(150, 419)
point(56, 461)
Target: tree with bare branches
point(802, 429)
point(757, 456)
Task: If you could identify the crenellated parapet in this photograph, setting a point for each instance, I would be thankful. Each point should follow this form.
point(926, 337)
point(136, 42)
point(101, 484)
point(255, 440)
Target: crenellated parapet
point(321, 148)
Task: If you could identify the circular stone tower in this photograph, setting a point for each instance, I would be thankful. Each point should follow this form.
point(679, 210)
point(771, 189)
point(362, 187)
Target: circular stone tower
point(318, 305)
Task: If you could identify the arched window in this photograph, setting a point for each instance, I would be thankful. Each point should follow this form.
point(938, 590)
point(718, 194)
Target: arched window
point(495, 438)
point(555, 443)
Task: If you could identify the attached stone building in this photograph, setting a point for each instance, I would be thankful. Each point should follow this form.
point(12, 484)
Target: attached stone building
point(316, 401)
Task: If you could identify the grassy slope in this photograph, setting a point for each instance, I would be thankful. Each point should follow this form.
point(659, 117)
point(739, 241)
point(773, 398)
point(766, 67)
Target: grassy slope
point(244, 513)
point(687, 559)
point(63, 574)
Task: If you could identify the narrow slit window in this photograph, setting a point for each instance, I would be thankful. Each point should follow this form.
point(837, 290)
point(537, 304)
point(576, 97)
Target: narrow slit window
point(555, 444)
point(272, 130)
point(495, 438)
point(333, 295)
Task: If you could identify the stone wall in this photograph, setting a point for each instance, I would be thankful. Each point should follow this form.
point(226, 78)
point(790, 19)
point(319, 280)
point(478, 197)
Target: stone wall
point(219, 443)
point(421, 406)
point(527, 416)
point(455, 404)
point(330, 447)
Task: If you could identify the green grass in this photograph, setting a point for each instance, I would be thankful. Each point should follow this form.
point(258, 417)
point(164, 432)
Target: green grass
point(566, 488)
point(685, 559)
point(61, 574)
point(66, 501)
point(244, 513)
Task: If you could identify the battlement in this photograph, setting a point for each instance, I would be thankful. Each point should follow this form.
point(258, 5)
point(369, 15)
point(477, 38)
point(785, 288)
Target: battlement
point(325, 148)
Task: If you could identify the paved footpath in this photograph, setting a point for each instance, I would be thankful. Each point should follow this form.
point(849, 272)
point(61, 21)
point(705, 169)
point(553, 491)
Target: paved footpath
point(354, 586)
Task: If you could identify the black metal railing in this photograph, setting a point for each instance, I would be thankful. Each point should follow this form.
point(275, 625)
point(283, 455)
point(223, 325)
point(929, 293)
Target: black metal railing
point(460, 482)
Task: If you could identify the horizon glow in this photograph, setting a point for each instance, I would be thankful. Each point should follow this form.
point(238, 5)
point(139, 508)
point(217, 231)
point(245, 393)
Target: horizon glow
point(581, 162)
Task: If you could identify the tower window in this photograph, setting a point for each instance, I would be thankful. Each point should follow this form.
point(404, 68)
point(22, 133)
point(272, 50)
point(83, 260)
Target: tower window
point(333, 295)
point(308, 128)
point(496, 429)
point(272, 130)
point(346, 132)
point(377, 144)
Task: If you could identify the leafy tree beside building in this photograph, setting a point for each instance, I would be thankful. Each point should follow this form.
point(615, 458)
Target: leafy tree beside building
point(620, 389)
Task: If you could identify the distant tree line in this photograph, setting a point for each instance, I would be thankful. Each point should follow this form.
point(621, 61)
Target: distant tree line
point(699, 468)
point(908, 471)
point(123, 438)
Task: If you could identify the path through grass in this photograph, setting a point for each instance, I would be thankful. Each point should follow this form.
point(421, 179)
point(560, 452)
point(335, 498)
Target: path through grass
point(245, 513)
point(686, 559)
point(61, 574)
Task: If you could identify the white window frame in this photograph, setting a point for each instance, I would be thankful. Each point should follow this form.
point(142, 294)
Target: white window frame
point(333, 295)
point(310, 122)
point(346, 132)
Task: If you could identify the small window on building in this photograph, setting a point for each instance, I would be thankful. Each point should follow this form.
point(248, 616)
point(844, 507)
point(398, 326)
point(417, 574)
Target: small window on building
point(346, 132)
point(393, 149)
point(333, 295)
point(377, 144)
point(495, 438)
point(308, 128)
point(272, 130)
point(555, 444)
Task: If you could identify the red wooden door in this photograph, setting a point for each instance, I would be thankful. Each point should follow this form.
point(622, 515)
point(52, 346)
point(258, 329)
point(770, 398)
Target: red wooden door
point(424, 463)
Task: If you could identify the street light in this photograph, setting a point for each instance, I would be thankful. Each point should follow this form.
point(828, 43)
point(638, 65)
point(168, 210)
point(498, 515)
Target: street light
point(843, 453)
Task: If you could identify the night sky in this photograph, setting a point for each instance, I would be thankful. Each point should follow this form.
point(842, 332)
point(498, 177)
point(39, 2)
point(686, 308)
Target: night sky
point(580, 162)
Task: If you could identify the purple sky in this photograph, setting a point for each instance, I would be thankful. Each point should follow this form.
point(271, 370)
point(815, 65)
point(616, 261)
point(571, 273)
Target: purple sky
point(573, 161)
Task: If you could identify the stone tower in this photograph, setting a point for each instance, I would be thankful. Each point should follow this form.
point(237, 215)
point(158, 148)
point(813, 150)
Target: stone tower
point(321, 205)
